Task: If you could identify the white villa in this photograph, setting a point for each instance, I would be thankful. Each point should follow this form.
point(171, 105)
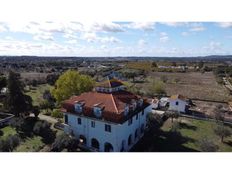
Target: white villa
point(178, 103)
point(108, 119)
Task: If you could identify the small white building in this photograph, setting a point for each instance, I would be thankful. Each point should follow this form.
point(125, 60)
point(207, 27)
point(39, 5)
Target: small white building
point(164, 102)
point(109, 119)
point(178, 103)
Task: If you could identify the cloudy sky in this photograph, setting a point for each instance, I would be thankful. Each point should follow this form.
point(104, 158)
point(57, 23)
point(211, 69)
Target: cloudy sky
point(49, 38)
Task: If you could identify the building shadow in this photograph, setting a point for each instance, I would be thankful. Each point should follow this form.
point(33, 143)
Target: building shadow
point(163, 141)
point(187, 126)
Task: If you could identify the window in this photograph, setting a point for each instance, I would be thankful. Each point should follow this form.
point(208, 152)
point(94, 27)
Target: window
point(137, 116)
point(93, 124)
point(78, 108)
point(97, 111)
point(126, 111)
point(66, 119)
point(130, 121)
point(107, 128)
point(177, 103)
point(79, 120)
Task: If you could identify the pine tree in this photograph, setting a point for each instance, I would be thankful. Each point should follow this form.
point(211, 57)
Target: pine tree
point(16, 102)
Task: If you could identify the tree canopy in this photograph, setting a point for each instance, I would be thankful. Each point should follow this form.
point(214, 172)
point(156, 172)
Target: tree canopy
point(16, 101)
point(71, 83)
point(157, 87)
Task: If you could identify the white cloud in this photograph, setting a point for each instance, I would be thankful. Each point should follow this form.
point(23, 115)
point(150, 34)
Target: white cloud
point(196, 27)
point(107, 27)
point(43, 38)
point(214, 48)
point(3, 27)
point(184, 33)
point(71, 41)
point(225, 24)
point(92, 37)
point(146, 26)
point(164, 37)
point(174, 24)
point(142, 42)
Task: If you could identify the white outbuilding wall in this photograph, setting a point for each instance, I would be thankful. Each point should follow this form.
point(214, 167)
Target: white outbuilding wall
point(177, 105)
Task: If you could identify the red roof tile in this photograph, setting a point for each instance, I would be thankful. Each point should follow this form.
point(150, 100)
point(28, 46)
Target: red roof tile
point(113, 103)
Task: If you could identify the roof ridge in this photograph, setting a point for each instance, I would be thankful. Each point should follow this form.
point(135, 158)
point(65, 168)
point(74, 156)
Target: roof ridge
point(114, 103)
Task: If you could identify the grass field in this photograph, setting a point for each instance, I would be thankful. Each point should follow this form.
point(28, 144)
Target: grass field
point(194, 130)
point(192, 85)
point(33, 144)
point(37, 93)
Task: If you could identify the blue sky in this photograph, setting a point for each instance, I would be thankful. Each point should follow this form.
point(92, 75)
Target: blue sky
point(51, 38)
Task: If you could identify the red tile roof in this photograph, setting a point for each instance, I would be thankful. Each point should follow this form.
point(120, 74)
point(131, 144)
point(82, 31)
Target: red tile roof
point(113, 103)
point(178, 96)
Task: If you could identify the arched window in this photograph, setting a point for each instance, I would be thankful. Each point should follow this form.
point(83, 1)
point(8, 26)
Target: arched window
point(123, 146)
point(95, 143)
point(136, 133)
point(108, 147)
point(130, 140)
point(142, 128)
point(82, 139)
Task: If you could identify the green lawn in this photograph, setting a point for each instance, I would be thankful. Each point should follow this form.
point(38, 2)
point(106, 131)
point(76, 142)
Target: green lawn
point(194, 130)
point(33, 144)
point(37, 93)
point(6, 131)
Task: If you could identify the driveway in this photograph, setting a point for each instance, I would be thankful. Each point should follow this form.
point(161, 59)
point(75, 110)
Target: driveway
point(48, 118)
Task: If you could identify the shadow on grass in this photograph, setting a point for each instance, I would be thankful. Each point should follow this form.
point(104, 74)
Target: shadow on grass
point(229, 143)
point(187, 126)
point(163, 142)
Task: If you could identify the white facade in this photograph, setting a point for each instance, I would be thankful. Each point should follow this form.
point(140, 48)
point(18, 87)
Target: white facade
point(122, 136)
point(177, 105)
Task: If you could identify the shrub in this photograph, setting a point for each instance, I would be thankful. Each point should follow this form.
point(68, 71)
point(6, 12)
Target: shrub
point(11, 142)
point(43, 129)
point(57, 114)
point(63, 141)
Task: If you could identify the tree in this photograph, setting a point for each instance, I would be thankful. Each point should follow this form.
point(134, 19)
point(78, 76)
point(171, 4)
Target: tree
point(172, 114)
point(3, 82)
point(63, 141)
point(57, 113)
point(154, 64)
point(71, 83)
point(36, 111)
point(52, 78)
point(43, 129)
point(207, 145)
point(222, 132)
point(45, 104)
point(8, 144)
point(156, 88)
point(200, 64)
point(16, 102)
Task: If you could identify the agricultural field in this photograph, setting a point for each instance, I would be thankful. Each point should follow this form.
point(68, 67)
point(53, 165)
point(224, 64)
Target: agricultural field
point(192, 85)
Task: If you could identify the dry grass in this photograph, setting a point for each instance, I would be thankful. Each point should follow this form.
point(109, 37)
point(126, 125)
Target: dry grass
point(193, 85)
